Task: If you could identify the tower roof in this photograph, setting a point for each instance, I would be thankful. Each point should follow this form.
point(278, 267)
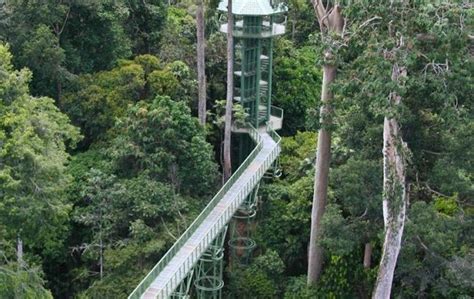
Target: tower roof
point(253, 7)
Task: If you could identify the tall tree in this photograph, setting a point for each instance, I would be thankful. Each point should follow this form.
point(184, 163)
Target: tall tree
point(201, 65)
point(230, 93)
point(34, 136)
point(331, 23)
point(394, 190)
point(395, 150)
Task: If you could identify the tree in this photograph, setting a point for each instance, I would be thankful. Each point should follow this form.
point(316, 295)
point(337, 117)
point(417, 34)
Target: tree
point(161, 137)
point(43, 55)
point(201, 62)
point(285, 223)
point(101, 193)
point(81, 37)
point(34, 138)
point(144, 23)
point(99, 99)
point(421, 79)
point(19, 281)
point(227, 167)
point(95, 38)
point(395, 152)
point(180, 29)
point(142, 195)
point(297, 80)
point(34, 32)
point(436, 259)
point(260, 280)
point(331, 23)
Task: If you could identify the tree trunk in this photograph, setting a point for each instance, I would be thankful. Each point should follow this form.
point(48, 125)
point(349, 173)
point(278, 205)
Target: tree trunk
point(323, 157)
point(19, 252)
point(394, 195)
point(201, 67)
point(367, 255)
point(101, 258)
point(331, 22)
point(230, 94)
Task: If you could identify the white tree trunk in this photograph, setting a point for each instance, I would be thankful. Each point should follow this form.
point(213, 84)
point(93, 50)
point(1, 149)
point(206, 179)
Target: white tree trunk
point(201, 66)
point(230, 94)
point(394, 195)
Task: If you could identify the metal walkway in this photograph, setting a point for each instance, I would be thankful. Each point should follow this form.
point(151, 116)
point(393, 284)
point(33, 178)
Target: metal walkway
point(180, 259)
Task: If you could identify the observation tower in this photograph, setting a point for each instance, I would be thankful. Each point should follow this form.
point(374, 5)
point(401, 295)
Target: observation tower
point(256, 23)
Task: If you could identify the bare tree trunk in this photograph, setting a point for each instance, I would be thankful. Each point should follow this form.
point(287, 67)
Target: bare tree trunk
point(201, 67)
point(101, 246)
point(394, 195)
point(230, 94)
point(331, 22)
point(367, 255)
point(323, 157)
point(101, 258)
point(19, 252)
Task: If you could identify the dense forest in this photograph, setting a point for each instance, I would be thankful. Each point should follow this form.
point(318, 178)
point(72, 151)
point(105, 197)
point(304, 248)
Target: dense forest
point(112, 142)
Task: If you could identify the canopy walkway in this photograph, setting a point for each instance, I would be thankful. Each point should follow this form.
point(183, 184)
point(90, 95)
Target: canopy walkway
point(178, 262)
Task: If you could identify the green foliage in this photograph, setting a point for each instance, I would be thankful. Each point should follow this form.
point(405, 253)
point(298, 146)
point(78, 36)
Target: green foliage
point(161, 137)
point(55, 39)
point(297, 157)
point(239, 114)
point(163, 82)
point(298, 288)
point(178, 37)
point(42, 54)
point(261, 280)
point(447, 206)
point(100, 99)
point(434, 258)
point(301, 22)
point(297, 82)
point(427, 260)
point(285, 216)
point(134, 188)
point(216, 65)
point(34, 136)
point(340, 236)
point(94, 37)
point(140, 200)
point(19, 282)
point(144, 24)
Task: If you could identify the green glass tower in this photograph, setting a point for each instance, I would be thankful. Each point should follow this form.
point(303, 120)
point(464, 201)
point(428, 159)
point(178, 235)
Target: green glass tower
point(256, 23)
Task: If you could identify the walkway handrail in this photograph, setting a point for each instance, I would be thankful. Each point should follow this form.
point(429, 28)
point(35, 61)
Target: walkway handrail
point(146, 282)
point(276, 151)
